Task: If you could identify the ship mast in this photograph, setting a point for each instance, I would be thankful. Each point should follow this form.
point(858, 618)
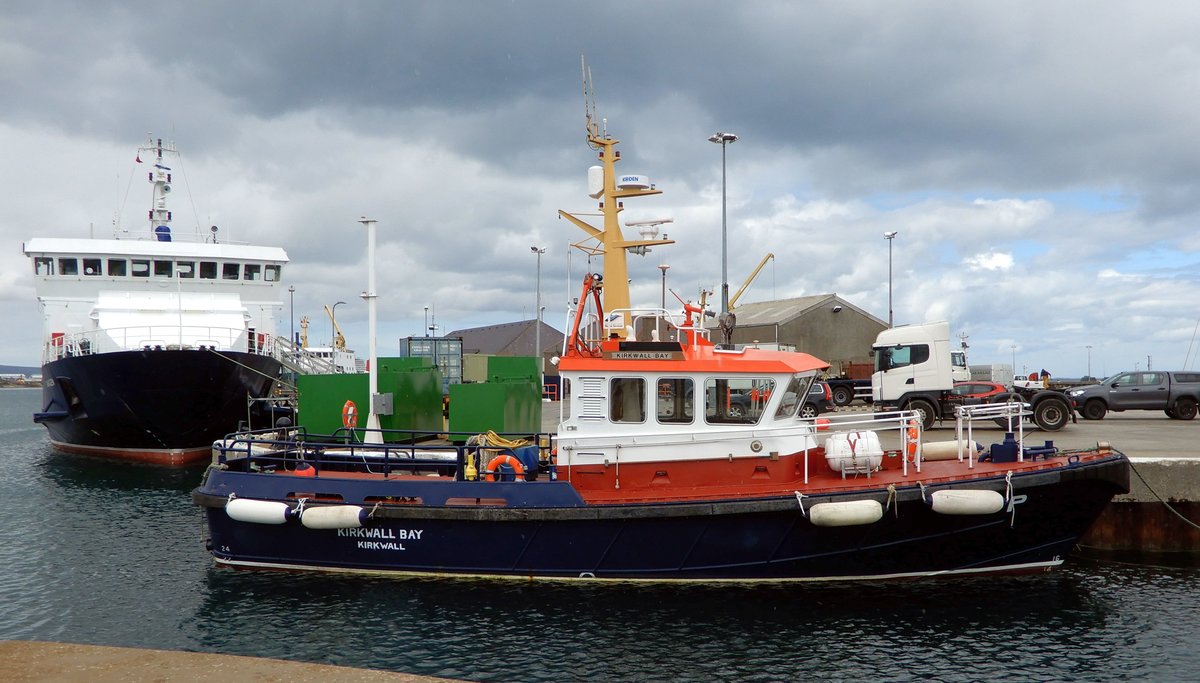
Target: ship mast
point(611, 242)
point(160, 177)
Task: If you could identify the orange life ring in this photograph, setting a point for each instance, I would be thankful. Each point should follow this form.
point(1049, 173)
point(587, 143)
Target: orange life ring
point(349, 415)
point(504, 459)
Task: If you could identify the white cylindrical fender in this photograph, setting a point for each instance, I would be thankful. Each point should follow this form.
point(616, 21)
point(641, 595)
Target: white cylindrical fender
point(966, 502)
point(846, 513)
point(258, 511)
point(947, 450)
point(333, 517)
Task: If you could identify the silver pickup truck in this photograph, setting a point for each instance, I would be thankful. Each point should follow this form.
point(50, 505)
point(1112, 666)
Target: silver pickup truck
point(1175, 393)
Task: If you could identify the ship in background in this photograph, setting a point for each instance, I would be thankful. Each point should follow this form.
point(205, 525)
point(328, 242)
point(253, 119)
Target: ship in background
point(156, 343)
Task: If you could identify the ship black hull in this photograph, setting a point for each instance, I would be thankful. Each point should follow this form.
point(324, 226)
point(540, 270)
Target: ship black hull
point(761, 539)
point(158, 406)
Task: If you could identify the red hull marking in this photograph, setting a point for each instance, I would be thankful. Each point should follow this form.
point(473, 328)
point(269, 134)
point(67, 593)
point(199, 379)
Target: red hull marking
point(760, 476)
point(171, 458)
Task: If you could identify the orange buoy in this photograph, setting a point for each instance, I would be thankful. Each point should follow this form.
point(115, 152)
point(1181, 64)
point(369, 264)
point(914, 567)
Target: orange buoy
point(349, 415)
point(823, 424)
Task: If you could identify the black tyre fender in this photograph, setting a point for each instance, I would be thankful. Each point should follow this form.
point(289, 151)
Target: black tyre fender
point(1051, 413)
point(1094, 409)
point(1185, 408)
point(841, 396)
point(925, 408)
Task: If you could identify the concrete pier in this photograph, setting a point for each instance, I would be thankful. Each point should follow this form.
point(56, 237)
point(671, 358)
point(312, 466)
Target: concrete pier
point(23, 661)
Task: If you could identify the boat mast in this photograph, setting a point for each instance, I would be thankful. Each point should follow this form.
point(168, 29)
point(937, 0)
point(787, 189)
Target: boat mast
point(612, 243)
point(160, 177)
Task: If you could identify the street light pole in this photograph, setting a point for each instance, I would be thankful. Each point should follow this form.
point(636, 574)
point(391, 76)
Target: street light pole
point(292, 314)
point(537, 307)
point(724, 139)
point(890, 235)
point(1089, 350)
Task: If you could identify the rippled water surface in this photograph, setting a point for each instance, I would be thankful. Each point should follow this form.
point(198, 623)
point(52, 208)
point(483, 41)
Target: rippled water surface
point(112, 554)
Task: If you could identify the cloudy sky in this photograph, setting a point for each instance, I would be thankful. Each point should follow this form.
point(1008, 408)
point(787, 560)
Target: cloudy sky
point(1040, 161)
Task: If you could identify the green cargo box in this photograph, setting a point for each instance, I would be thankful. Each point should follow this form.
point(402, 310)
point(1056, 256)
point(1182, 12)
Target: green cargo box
point(415, 385)
point(510, 403)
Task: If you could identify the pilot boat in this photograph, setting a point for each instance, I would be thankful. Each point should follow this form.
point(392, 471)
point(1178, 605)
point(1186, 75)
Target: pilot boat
point(655, 472)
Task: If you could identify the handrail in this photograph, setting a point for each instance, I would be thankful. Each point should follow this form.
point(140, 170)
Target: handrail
point(155, 337)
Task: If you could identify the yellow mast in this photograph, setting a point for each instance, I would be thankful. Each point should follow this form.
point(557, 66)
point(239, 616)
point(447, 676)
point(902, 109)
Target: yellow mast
point(611, 241)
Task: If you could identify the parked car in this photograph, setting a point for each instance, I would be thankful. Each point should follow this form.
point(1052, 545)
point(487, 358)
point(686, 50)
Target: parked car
point(818, 401)
point(1175, 393)
point(978, 390)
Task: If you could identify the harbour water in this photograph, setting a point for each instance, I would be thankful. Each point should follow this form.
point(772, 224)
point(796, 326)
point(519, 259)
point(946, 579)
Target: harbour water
point(113, 554)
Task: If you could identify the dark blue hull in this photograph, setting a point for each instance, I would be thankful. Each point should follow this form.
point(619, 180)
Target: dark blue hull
point(161, 406)
point(544, 530)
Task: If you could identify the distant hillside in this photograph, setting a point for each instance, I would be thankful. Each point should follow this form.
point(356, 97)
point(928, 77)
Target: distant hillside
point(19, 370)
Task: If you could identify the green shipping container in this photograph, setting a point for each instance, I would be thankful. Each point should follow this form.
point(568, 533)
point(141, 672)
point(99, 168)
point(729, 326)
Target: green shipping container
point(415, 385)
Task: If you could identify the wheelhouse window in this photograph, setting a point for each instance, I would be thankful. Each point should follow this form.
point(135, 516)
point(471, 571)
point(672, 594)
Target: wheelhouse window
point(118, 267)
point(140, 267)
point(674, 400)
point(68, 266)
point(43, 265)
point(793, 396)
point(186, 269)
point(736, 400)
point(627, 399)
point(252, 272)
point(163, 269)
point(208, 270)
point(271, 273)
point(91, 266)
point(230, 271)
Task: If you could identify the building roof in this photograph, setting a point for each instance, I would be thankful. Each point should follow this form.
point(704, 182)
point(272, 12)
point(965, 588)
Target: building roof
point(784, 310)
point(509, 339)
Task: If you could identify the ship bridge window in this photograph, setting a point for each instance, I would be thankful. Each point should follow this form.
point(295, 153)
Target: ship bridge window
point(68, 266)
point(140, 267)
point(740, 400)
point(118, 267)
point(252, 272)
point(271, 273)
point(186, 269)
point(628, 399)
point(91, 266)
point(674, 400)
point(162, 269)
point(229, 271)
point(208, 270)
point(43, 265)
point(793, 396)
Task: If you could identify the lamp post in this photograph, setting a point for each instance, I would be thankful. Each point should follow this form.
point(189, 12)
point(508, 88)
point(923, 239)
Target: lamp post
point(537, 308)
point(333, 327)
point(889, 236)
point(426, 328)
point(724, 139)
point(1089, 350)
point(292, 314)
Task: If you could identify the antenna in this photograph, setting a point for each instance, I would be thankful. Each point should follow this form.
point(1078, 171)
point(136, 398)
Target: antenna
point(589, 100)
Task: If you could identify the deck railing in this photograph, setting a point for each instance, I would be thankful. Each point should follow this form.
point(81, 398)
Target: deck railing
point(155, 338)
